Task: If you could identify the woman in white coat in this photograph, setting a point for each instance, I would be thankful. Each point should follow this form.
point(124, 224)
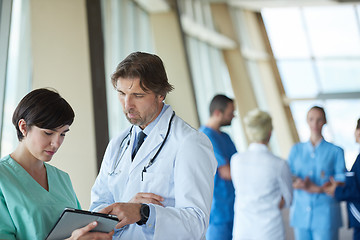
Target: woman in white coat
point(262, 183)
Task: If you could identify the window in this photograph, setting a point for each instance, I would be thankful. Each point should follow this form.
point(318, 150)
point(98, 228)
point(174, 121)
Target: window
point(318, 56)
point(208, 69)
point(17, 72)
point(126, 29)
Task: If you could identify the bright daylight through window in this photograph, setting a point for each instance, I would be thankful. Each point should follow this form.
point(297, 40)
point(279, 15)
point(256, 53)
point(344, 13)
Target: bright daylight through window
point(318, 56)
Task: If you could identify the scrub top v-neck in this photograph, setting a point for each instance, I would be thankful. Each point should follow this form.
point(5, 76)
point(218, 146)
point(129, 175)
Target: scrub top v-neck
point(27, 210)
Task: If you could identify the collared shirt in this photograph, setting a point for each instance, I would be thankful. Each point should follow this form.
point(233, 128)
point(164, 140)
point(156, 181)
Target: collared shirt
point(149, 127)
point(149, 227)
point(260, 180)
point(319, 163)
point(27, 210)
point(222, 209)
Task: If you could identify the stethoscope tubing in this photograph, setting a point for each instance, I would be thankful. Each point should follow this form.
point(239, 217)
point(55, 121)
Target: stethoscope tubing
point(122, 150)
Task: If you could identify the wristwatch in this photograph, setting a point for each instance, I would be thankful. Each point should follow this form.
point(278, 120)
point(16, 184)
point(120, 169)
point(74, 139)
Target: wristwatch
point(144, 213)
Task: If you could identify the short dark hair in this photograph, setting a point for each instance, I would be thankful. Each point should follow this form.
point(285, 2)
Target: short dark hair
point(358, 124)
point(149, 68)
point(219, 102)
point(321, 109)
point(43, 108)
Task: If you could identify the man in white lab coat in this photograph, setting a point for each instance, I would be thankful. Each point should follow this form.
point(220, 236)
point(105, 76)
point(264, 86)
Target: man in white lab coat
point(161, 189)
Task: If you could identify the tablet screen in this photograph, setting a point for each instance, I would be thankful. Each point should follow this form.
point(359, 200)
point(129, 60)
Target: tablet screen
point(72, 219)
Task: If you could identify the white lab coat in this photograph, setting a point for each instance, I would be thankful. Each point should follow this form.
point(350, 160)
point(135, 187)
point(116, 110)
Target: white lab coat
point(260, 180)
point(183, 173)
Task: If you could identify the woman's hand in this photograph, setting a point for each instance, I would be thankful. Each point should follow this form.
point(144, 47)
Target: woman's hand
point(298, 183)
point(331, 186)
point(282, 203)
point(307, 185)
point(84, 233)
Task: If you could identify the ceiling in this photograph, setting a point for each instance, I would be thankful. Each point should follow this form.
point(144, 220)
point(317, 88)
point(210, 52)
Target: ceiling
point(254, 5)
point(257, 5)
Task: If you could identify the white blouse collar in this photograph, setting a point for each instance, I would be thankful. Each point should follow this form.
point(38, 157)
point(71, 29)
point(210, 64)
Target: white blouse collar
point(257, 147)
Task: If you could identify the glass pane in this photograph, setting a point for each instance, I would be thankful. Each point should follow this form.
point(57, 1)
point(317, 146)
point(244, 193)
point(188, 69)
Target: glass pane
point(286, 32)
point(123, 33)
point(339, 75)
point(209, 83)
point(342, 122)
point(333, 31)
point(19, 68)
point(298, 78)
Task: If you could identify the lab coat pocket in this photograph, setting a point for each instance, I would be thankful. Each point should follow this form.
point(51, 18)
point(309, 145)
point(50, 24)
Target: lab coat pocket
point(157, 183)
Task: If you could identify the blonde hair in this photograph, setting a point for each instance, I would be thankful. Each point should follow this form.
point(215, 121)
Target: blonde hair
point(258, 125)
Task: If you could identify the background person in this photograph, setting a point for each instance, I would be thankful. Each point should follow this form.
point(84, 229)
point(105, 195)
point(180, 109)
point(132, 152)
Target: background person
point(33, 193)
point(263, 184)
point(313, 214)
point(222, 208)
point(163, 188)
point(350, 192)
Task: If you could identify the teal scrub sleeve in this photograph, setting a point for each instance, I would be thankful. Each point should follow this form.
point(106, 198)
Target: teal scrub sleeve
point(7, 227)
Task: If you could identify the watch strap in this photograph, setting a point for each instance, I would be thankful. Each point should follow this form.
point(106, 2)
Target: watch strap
point(144, 214)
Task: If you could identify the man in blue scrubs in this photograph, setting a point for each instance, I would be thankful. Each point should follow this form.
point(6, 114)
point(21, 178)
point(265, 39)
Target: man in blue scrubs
point(222, 209)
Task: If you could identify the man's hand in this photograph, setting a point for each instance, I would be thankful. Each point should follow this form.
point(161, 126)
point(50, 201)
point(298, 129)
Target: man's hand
point(84, 233)
point(147, 198)
point(225, 172)
point(127, 213)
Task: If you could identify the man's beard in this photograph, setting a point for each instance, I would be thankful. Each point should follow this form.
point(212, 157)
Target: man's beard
point(226, 123)
point(138, 121)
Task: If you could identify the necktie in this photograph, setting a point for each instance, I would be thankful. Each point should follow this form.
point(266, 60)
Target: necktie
point(140, 139)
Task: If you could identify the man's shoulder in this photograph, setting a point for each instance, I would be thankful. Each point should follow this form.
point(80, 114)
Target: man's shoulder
point(187, 131)
point(211, 133)
point(123, 134)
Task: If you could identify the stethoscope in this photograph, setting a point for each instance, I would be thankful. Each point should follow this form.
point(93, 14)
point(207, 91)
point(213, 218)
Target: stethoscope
point(125, 144)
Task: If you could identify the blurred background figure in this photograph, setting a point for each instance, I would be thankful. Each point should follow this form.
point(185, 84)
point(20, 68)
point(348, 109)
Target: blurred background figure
point(313, 214)
point(262, 182)
point(350, 192)
point(222, 209)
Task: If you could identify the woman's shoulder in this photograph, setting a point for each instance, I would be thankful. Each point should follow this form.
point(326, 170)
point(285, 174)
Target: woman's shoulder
point(5, 159)
point(5, 163)
point(330, 144)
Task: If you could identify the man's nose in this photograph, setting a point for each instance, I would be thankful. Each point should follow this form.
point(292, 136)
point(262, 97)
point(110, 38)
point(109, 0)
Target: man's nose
point(128, 102)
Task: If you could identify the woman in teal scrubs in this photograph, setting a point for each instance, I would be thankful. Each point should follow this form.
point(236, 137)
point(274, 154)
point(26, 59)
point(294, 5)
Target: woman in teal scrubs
point(313, 214)
point(33, 193)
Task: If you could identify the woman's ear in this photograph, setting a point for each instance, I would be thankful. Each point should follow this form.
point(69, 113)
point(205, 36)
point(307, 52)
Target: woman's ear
point(22, 127)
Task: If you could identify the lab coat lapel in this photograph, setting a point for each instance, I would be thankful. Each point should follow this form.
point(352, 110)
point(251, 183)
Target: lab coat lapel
point(152, 142)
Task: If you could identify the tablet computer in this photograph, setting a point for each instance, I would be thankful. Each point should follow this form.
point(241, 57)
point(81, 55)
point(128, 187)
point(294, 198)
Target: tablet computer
point(72, 219)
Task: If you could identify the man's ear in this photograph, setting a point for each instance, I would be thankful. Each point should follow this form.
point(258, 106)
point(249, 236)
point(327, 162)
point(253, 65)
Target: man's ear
point(217, 112)
point(22, 127)
point(161, 98)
